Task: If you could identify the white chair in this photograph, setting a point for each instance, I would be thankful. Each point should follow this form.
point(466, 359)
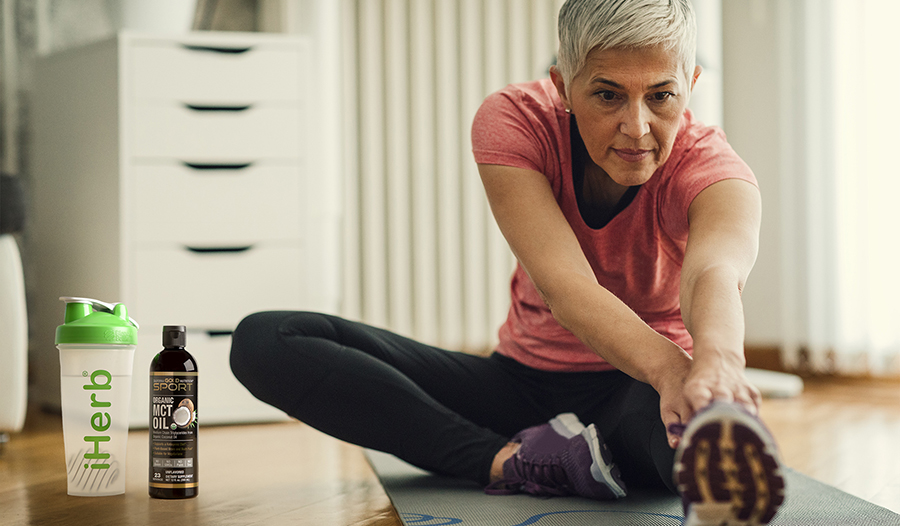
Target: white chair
point(13, 314)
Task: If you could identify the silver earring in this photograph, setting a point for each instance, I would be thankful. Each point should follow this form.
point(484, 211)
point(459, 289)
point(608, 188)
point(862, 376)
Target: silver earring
point(568, 110)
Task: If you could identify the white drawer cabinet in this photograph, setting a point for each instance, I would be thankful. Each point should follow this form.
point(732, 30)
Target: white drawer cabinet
point(216, 289)
point(220, 72)
point(205, 209)
point(217, 133)
point(172, 174)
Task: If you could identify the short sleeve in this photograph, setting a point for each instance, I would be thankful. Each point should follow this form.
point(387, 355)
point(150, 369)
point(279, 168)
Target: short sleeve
point(517, 127)
point(707, 158)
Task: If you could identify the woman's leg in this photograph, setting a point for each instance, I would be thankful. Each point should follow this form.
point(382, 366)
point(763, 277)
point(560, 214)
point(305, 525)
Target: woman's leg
point(643, 434)
point(626, 413)
point(442, 411)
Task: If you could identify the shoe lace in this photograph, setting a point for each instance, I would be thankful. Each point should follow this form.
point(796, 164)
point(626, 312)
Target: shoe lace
point(543, 476)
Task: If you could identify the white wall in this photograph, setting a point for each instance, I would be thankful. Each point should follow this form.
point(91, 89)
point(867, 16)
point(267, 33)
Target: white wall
point(706, 99)
point(753, 87)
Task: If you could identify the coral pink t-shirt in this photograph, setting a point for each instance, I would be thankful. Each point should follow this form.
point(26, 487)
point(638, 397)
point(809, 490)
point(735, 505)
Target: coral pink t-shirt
point(637, 255)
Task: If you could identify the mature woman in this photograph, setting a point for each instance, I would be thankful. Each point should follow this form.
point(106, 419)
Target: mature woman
point(635, 228)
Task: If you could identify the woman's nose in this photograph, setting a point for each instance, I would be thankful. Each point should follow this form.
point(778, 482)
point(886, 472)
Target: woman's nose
point(636, 120)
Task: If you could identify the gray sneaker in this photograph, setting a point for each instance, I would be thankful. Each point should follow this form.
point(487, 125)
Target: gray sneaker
point(561, 457)
point(727, 469)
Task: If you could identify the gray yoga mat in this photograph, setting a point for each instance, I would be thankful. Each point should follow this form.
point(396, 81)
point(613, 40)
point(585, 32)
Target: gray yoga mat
point(424, 499)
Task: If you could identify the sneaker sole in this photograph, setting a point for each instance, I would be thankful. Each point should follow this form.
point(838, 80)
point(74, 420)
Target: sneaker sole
point(728, 471)
point(602, 468)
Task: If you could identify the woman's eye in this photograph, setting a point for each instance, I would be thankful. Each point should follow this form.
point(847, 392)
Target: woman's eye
point(606, 95)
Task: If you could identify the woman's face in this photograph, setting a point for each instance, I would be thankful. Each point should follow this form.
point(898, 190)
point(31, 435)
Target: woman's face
point(628, 103)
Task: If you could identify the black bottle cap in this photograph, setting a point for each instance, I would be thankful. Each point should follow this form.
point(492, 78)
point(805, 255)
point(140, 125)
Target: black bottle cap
point(173, 335)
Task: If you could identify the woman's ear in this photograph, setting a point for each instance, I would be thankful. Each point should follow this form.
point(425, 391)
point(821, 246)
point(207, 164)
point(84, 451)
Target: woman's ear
point(560, 84)
point(697, 71)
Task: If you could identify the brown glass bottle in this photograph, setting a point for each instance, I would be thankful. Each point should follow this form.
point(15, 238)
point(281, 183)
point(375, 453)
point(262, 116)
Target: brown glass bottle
point(173, 419)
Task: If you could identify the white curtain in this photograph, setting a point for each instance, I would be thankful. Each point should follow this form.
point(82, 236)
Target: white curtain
point(842, 240)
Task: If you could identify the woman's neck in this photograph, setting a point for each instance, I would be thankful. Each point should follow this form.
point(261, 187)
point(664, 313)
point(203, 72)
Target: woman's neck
point(598, 188)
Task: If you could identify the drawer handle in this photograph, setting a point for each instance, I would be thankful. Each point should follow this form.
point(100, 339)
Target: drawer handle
point(207, 107)
point(219, 334)
point(219, 250)
point(217, 49)
point(217, 166)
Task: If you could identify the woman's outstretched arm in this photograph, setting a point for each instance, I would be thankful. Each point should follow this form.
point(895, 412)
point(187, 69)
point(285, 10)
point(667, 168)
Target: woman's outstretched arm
point(544, 243)
point(722, 246)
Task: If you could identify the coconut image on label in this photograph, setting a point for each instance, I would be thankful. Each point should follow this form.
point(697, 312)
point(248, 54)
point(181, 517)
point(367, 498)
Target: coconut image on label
point(184, 415)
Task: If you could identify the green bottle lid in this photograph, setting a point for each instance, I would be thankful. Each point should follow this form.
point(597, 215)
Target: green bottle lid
point(96, 322)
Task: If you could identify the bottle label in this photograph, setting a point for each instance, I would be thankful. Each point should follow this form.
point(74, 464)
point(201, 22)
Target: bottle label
point(173, 430)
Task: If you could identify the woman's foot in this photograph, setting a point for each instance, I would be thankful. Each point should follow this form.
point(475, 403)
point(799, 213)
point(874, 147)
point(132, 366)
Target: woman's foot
point(727, 469)
point(561, 457)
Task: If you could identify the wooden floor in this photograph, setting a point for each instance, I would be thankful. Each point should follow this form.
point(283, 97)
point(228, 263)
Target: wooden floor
point(844, 433)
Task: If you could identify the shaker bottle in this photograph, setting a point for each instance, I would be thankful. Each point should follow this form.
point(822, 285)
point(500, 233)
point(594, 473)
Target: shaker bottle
point(96, 352)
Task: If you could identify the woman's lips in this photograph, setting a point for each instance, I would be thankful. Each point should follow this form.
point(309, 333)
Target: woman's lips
point(631, 156)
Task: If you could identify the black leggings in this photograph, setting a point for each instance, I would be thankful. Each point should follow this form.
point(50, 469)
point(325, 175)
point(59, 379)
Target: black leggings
point(443, 411)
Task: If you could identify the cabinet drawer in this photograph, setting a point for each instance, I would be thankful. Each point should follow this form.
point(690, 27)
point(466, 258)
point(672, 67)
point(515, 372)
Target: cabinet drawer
point(222, 72)
point(222, 399)
point(237, 206)
point(257, 132)
point(215, 290)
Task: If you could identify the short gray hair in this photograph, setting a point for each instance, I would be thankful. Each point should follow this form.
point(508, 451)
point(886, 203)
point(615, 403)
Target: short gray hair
point(610, 24)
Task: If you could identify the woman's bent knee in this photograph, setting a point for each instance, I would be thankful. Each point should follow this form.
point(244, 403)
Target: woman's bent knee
point(278, 356)
point(265, 342)
point(254, 338)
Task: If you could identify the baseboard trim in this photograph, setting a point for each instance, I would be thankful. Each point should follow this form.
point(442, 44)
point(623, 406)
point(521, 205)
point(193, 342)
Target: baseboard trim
point(765, 357)
point(769, 357)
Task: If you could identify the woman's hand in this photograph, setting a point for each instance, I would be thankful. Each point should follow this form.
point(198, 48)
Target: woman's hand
point(686, 390)
point(674, 408)
point(712, 379)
